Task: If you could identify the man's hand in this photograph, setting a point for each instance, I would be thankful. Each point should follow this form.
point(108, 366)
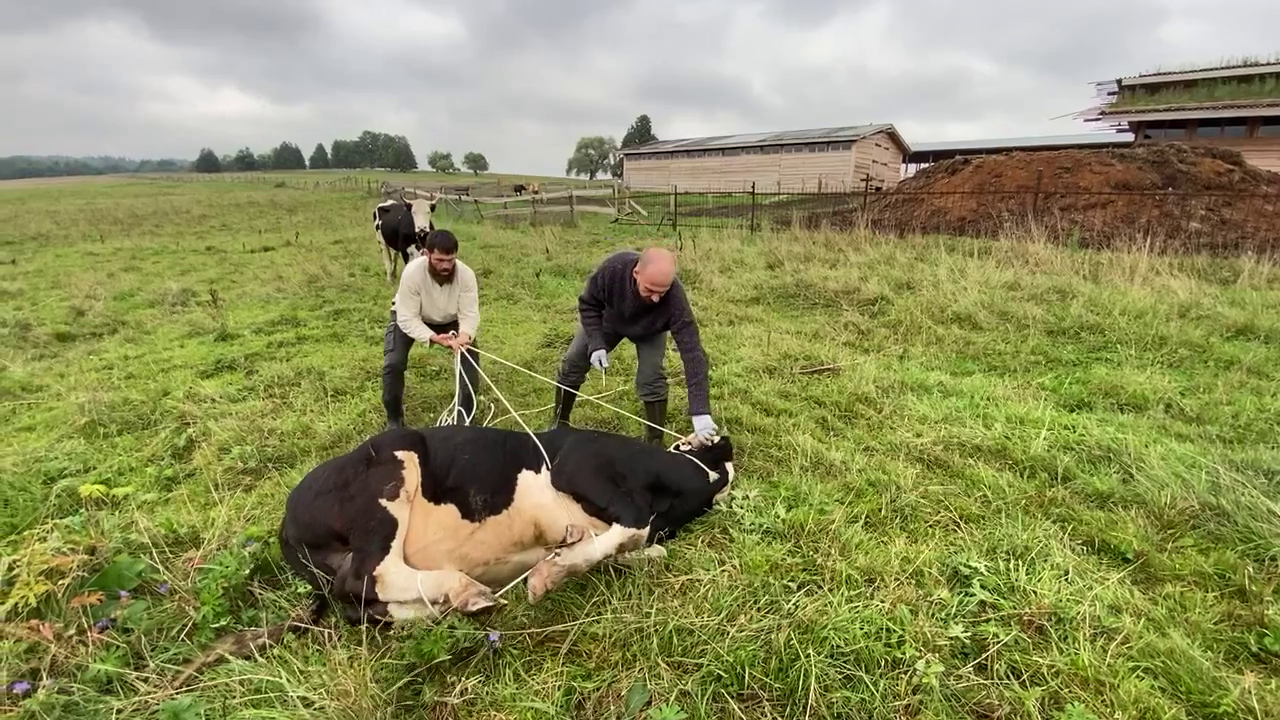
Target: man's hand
point(441, 339)
point(461, 341)
point(599, 359)
point(704, 426)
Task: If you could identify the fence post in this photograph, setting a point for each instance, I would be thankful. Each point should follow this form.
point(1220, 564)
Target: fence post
point(753, 207)
point(675, 192)
point(1035, 202)
point(866, 192)
point(573, 214)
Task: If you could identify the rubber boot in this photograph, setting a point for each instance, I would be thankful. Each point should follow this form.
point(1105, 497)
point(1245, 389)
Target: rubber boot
point(656, 413)
point(564, 406)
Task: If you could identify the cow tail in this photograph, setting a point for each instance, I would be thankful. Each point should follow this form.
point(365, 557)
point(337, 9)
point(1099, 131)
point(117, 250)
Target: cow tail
point(238, 645)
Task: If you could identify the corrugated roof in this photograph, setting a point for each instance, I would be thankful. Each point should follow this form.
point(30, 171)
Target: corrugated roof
point(1042, 141)
point(783, 137)
point(1246, 68)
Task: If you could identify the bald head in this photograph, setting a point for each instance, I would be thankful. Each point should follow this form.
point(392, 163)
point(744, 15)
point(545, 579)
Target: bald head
point(655, 272)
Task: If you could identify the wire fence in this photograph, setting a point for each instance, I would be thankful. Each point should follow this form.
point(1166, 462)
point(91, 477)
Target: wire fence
point(1215, 222)
point(1224, 223)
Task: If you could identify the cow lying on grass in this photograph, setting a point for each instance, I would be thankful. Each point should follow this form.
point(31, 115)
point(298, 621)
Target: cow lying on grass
point(415, 522)
point(399, 227)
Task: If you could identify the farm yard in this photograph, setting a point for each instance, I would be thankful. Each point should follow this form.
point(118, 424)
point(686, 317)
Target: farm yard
point(995, 477)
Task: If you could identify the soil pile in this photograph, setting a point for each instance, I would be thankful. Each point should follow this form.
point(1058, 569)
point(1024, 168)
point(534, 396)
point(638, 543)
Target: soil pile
point(1169, 197)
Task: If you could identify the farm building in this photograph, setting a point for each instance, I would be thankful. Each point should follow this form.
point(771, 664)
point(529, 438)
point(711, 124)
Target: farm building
point(1234, 106)
point(923, 154)
point(820, 159)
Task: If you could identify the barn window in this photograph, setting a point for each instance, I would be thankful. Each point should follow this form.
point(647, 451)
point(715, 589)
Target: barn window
point(732, 152)
point(1235, 127)
point(1269, 127)
point(713, 153)
point(680, 155)
point(771, 150)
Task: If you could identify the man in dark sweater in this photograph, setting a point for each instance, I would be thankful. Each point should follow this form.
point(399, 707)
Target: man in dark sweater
point(637, 296)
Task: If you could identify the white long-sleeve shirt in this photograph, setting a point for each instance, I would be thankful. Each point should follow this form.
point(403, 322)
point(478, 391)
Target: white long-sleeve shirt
point(421, 300)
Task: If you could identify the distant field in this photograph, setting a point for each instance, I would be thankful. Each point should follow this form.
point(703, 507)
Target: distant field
point(976, 480)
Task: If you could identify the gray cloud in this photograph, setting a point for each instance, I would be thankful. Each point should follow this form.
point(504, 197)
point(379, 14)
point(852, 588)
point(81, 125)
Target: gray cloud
point(522, 81)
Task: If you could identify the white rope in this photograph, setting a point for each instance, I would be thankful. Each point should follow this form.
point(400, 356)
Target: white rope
point(575, 392)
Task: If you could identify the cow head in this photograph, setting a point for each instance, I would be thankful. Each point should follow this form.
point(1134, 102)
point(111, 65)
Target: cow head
point(715, 454)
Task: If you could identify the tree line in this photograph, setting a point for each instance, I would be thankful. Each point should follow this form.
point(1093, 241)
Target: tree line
point(595, 155)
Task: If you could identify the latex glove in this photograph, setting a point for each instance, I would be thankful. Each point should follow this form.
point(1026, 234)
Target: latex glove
point(600, 359)
point(704, 426)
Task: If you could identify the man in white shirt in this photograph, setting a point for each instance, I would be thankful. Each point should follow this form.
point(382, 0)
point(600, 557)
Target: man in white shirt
point(438, 294)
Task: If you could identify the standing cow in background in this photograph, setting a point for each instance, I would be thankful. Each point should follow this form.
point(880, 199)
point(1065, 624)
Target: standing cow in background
point(400, 226)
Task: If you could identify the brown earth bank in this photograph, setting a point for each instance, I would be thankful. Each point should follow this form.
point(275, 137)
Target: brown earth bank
point(1168, 197)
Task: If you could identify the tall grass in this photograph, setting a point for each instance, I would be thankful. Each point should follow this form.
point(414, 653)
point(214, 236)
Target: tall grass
point(1030, 482)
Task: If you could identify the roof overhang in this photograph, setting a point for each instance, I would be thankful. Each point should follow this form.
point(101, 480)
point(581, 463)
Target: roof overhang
point(930, 152)
point(1268, 108)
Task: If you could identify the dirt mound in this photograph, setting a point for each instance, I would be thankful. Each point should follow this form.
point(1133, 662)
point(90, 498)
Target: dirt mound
point(1170, 197)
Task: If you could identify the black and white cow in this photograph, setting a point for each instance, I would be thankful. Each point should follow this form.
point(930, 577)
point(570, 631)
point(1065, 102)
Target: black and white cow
point(399, 228)
point(415, 522)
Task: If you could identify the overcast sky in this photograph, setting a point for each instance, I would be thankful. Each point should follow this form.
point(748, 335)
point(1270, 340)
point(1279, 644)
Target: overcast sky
point(521, 81)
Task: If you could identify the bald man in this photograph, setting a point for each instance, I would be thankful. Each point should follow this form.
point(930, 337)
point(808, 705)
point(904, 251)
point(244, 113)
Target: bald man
point(637, 296)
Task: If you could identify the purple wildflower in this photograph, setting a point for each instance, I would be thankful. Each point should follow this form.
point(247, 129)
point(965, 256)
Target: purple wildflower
point(495, 639)
point(104, 624)
point(21, 687)
point(163, 589)
point(250, 543)
point(124, 594)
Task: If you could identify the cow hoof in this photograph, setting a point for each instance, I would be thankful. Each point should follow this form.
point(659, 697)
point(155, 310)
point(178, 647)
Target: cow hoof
point(544, 578)
point(474, 598)
point(635, 557)
point(573, 534)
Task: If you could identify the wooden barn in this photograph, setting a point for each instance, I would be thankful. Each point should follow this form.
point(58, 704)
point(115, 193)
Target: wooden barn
point(836, 158)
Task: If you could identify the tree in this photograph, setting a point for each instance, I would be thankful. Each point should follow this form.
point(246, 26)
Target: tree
point(441, 162)
point(592, 156)
point(263, 160)
point(287, 156)
point(244, 161)
point(207, 162)
point(319, 158)
point(475, 162)
point(640, 132)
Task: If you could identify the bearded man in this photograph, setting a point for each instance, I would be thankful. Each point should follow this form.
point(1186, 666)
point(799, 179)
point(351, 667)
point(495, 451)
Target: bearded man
point(438, 295)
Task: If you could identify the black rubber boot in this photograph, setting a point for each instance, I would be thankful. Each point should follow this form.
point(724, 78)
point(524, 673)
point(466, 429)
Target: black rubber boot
point(564, 407)
point(656, 413)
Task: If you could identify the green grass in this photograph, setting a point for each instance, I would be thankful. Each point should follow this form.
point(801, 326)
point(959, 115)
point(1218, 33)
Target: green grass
point(1210, 91)
point(1041, 483)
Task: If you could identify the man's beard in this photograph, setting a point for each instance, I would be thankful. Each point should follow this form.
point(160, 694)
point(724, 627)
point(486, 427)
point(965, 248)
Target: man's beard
point(440, 278)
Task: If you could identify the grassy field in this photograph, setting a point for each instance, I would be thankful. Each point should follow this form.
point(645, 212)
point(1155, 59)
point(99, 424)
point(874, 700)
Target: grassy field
point(1035, 483)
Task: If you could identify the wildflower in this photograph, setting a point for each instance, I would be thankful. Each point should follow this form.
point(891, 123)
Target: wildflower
point(495, 639)
point(124, 594)
point(21, 687)
point(163, 589)
point(104, 624)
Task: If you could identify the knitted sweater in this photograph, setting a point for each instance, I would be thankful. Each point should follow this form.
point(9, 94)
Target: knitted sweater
point(421, 301)
point(611, 305)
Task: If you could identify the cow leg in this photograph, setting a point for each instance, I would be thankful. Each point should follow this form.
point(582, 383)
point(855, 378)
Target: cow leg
point(386, 256)
point(582, 556)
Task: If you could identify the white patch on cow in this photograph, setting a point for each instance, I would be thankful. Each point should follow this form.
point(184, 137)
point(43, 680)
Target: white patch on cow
point(421, 212)
point(435, 590)
point(728, 483)
point(501, 548)
point(578, 558)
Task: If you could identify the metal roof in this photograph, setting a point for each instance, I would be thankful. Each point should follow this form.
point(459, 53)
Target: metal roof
point(1201, 73)
point(785, 137)
point(1192, 106)
point(1029, 143)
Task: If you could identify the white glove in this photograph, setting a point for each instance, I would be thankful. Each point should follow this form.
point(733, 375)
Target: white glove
point(600, 359)
point(704, 426)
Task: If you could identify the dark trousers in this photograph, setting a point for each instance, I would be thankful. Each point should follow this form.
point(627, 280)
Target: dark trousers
point(651, 375)
point(395, 359)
